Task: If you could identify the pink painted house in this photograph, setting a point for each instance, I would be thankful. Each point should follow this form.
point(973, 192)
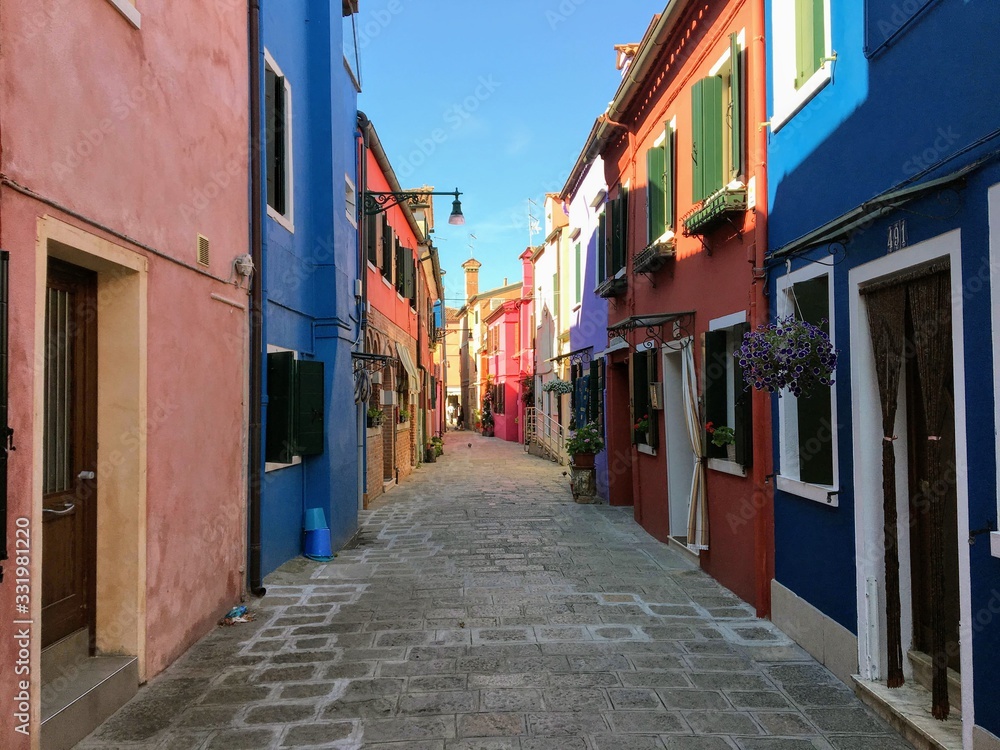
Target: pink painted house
point(123, 206)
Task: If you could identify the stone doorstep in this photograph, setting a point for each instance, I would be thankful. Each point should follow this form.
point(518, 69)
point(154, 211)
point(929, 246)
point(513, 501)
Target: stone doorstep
point(923, 674)
point(88, 696)
point(907, 709)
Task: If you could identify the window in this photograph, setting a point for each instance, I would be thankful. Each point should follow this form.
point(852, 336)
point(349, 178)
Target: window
point(602, 247)
point(351, 200)
point(588, 393)
point(295, 397)
point(127, 8)
point(660, 176)
point(389, 243)
point(278, 136)
point(717, 119)
point(613, 236)
point(800, 33)
point(373, 238)
point(807, 424)
point(578, 265)
point(727, 399)
point(644, 375)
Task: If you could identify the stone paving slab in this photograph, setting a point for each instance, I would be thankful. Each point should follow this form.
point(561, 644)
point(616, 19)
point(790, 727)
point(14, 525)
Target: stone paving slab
point(480, 608)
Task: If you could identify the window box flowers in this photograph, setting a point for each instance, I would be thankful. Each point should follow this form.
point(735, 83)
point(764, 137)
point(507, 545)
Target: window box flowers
point(788, 354)
point(557, 386)
point(375, 416)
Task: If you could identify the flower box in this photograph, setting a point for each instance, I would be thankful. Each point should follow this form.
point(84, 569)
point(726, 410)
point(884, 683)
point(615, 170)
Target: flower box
point(715, 209)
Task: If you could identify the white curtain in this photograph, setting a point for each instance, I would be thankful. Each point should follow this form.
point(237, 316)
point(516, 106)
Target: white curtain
point(697, 531)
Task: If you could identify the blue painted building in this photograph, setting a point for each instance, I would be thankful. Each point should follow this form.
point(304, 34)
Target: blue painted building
point(884, 219)
point(311, 314)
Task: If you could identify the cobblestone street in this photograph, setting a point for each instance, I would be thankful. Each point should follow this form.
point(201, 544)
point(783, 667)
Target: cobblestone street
point(481, 609)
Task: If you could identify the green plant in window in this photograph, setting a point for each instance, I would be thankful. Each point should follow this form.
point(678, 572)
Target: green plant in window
point(721, 435)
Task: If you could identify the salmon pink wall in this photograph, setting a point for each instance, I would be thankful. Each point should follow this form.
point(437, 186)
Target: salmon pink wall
point(143, 131)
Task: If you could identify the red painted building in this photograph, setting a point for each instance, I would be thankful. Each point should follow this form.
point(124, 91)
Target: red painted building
point(683, 242)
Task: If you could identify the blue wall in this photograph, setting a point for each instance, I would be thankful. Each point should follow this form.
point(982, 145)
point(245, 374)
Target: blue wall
point(309, 274)
point(921, 108)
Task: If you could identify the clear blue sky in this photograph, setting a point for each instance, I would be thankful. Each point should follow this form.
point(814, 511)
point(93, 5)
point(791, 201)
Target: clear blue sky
point(495, 99)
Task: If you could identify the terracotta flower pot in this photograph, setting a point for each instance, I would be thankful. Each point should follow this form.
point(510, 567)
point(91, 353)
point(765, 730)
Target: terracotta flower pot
point(583, 460)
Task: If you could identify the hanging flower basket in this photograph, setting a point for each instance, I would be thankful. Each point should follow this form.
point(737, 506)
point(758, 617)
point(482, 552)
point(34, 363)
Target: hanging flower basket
point(557, 386)
point(787, 354)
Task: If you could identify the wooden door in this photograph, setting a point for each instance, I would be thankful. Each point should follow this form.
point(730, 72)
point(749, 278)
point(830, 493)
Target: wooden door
point(69, 512)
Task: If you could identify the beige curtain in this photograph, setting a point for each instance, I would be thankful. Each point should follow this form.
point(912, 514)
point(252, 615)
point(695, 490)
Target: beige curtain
point(697, 531)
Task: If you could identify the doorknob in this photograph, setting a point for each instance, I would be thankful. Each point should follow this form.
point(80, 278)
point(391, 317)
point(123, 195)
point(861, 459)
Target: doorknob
point(86, 475)
point(67, 508)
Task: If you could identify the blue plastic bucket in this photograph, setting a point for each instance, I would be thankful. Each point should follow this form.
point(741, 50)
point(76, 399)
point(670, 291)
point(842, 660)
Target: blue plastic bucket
point(317, 545)
point(315, 519)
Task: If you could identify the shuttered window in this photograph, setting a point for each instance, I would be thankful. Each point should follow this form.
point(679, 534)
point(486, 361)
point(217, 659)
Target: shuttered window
point(727, 400)
point(602, 247)
point(669, 176)
point(814, 411)
point(643, 375)
point(618, 233)
point(706, 137)
point(656, 201)
point(736, 107)
point(388, 248)
point(275, 121)
point(810, 39)
point(373, 237)
point(295, 408)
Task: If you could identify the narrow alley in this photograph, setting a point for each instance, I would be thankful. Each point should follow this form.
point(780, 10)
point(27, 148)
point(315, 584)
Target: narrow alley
point(480, 608)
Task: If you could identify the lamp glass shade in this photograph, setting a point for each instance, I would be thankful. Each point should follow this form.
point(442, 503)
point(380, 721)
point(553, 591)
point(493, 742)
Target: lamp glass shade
point(456, 213)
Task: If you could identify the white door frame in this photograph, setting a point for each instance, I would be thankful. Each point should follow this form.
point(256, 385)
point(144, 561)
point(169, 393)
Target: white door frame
point(866, 415)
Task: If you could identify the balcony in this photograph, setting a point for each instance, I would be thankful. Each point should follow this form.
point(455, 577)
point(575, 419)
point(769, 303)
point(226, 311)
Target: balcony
point(613, 286)
point(717, 209)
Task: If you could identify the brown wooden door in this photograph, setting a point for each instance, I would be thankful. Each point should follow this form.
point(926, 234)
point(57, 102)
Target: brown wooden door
point(69, 512)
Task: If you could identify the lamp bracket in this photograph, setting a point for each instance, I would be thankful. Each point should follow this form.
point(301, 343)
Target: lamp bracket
point(375, 202)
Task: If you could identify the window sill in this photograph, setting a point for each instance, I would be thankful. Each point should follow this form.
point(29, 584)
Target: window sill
point(995, 543)
point(818, 493)
point(129, 11)
point(647, 449)
point(725, 466)
point(798, 99)
point(281, 219)
point(275, 466)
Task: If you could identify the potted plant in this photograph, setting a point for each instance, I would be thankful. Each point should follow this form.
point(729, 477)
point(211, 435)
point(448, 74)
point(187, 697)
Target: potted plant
point(404, 415)
point(558, 386)
point(375, 416)
point(789, 354)
point(583, 443)
point(642, 424)
point(488, 423)
point(723, 436)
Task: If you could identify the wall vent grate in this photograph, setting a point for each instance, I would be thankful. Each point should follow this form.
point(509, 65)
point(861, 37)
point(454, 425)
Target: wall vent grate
point(203, 250)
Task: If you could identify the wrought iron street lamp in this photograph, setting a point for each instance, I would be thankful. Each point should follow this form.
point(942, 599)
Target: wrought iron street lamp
point(377, 202)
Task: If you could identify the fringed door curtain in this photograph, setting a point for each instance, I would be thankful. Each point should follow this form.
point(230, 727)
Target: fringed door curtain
point(925, 298)
point(887, 325)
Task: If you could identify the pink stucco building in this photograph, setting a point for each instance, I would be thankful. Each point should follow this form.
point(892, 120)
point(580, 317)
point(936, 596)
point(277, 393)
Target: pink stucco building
point(123, 205)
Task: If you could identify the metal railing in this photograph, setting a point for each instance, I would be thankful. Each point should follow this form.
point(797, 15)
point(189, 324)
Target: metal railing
point(546, 432)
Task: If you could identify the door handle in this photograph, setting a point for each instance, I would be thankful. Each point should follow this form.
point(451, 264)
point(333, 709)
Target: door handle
point(87, 475)
point(68, 508)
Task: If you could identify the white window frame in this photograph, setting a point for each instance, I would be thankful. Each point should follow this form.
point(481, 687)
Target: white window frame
point(787, 476)
point(127, 8)
point(296, 460)
point(287, 220)
point(351, 199)
point(728, 323)
point(786, 99)
point(993, 202)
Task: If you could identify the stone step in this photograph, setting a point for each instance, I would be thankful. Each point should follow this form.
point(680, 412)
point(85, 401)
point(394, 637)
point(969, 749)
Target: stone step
point(908, 709)
point(77, 701)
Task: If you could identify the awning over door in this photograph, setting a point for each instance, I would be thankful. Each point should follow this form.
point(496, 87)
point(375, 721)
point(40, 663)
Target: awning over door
point(411, 372)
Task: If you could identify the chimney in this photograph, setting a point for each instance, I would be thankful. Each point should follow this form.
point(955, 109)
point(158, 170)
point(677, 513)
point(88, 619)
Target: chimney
point(471, 267)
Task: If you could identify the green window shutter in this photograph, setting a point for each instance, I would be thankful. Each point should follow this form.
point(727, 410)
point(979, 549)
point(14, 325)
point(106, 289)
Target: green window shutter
point(713, 122)
point(400, 265)
point(744, 411)
point(736, 118)
point(716, 388)
point(653, 435)
point(656, 199)
point(810, 39)
point(409, 275)
point(595, 392)
point(579, 274)
point(697, 141)
point(309, 407)
point(814, 411)
point(669, 176)
point(623, 215)
point(602, 247)
point(614, 236)
point(385, 262)
point(279, 440)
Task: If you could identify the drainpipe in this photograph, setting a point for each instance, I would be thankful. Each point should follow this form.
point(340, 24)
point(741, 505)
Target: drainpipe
point(760, 313)
point(256, 307)
point(362, 156)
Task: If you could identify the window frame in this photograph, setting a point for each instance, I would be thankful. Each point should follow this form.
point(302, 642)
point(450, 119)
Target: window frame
point(351, 200)
point(787, 98)
point(730, 141)
point(649, 441)
point(788, 480)
point(128, 9)
point(739, 413)
point(286, 219)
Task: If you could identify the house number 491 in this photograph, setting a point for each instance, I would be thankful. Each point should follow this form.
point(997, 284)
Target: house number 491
point(896, 239)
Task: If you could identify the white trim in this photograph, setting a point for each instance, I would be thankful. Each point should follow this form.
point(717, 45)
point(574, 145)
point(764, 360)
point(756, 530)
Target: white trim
point(352, 217)
point(296, 460)
point(867, 430)
point(993, 202)
point(287, 219)
point(816, 492)
point(647, 449)
point(728, 321)
point(787, 100)
point(129, 11)
point(727, 467)
point(720, 63)
point(788, 438)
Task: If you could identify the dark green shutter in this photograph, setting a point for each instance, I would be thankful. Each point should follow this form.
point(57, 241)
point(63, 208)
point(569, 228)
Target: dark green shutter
point(400, 265)
point(409, 274)
point(744, 411)
point(372, 239)
point(811, 301)
point(736, 118)
point(385, 261)
point(595, 392)
point(810, 39)
point(623, 217)
point(638, 399)
point(656, 198)
point(274, 116)
point(653, 436)
point(669, 176)
point(706, 134)
point(279, 442)
point(716, 388)
point(309, 407)
point(5, 431)
point(602, 247)
point(614, 236)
